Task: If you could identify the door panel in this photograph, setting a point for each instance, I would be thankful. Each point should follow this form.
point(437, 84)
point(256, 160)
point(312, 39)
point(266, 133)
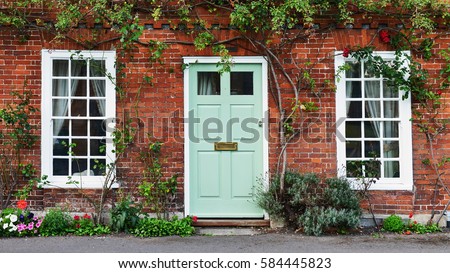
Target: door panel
point(225, 108)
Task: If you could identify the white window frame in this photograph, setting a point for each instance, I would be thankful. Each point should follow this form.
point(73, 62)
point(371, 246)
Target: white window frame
point(405, 181)
point(61, 181)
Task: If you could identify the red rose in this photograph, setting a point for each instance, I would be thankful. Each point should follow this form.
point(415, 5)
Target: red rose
point(415, 222)
point(76, 218)
point(439, 92)
point(78, 226)
point(346, 52)
point(86, 216)
point(384, 36)
point(411, 215)
point(408, 232)
point(194, 219)
point(22, 204)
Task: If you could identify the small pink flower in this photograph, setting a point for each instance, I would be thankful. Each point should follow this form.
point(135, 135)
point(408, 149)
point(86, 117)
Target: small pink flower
point(21, 227)
point(194, 219)
point(30, 226)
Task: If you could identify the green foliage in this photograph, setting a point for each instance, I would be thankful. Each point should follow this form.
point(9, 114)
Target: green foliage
point(56, 223)
point(125, 215)
point(17, 135)
point(159, 193)
point(393, 223)
point(151, 227)
point(312, 204)
point(84, 226)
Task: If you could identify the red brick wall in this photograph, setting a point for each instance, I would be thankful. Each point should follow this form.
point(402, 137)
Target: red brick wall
point(160, 108)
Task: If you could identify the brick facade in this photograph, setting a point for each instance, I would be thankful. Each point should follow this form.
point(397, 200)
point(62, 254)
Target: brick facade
point(160, 107)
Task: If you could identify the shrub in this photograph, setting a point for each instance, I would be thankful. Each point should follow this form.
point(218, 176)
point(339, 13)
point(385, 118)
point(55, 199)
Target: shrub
point(393, 223)
point(56, 223)
point(152, 227)
point(312, 204)
point(125, 215)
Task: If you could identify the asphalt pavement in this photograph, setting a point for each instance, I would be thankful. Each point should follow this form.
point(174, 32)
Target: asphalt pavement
point(241, 241)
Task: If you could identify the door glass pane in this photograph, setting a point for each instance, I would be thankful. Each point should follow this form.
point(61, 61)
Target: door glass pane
point(372, 149)
point(354, 70)
point(372, 129)
point(372, 109)
point(391, 109)
point(353, 89)
point(391, 169)
point(208, 83)
point(97, 68)
point(391, 149)
point(78, 108)
point(60, 166)
point(372, 89)
point(60, 68)
point(353, 129)
point(241, 83)
point(354, 109)
point(60, 88)
point(390, 128)
point(79, 68)
point(353, 149)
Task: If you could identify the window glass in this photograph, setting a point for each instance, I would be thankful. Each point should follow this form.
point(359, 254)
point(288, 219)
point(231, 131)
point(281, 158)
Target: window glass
point(208, 83)
point(241, 83)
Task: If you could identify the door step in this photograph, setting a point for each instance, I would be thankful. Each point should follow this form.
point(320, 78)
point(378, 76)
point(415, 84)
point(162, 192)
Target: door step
point(231, 223)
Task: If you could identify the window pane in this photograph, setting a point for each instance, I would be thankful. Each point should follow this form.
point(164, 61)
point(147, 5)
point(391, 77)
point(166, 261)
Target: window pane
point(97, 147)
point(61, 146)
point(372, 149)
point(208, 83)
point(97, 128)
point(372, 129)
point(372, 89)
point(372, 168)
point(389, 91)
point(60, 166)
point(97, 108)
point(60, 68)
point(372, 109)
point(241, 83)
point(391, 149)
point(61, 127)
point(78, 108)
point(98, 166)
point(390, 128)
point(354, 71)
point(354, 109)
point(79, 167)
point(353, 129)
point(79, 68)
point(79, 127)
point(391, 109)
point(60, 107)
point(354, 168)
point(97, 88)
point(79, 88)
point(370, 71)
point(60, 88)
point(80, 147)
point(97, 68)
point(353, 149)
point(391, 169)
point(353, 89)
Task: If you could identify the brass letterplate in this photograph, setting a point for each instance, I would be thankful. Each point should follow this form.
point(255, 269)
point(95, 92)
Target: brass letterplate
point(225, 146)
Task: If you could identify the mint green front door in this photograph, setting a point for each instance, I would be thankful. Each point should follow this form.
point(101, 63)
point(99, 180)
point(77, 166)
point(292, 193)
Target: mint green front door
point(225, 140)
